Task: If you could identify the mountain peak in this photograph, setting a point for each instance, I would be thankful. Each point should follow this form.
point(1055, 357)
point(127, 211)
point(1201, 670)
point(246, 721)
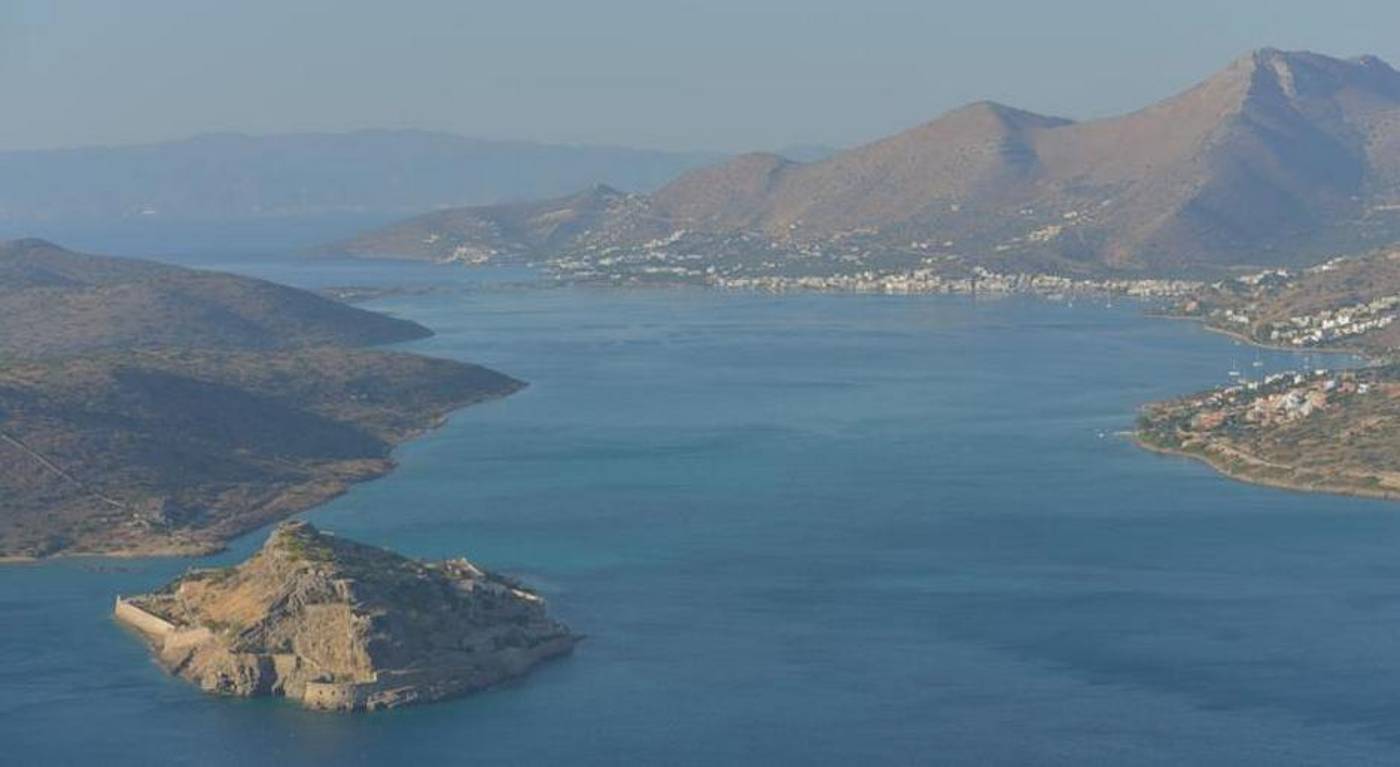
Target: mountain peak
point(1305, 75)
point(1001, 115)
point(988, 106)
point(598, 194)
point(604, 190)
point(1280, 152)
point(26, 244)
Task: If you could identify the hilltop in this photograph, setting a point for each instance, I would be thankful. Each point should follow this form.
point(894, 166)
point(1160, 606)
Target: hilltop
point(1279, 158)
point(56, 302)
point(339, 625)
point(497, 233)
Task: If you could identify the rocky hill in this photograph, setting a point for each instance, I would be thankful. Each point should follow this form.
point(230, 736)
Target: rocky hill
point(339, 625)
point(56, 302)
point(498, 233)
point(176, 451)
point(1280, 158)
point(151, 409)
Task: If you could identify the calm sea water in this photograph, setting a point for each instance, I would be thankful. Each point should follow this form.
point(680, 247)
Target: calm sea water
point(803, 529)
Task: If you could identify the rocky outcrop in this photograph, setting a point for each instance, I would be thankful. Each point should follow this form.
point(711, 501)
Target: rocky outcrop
point(175, 451)
point(343, 626)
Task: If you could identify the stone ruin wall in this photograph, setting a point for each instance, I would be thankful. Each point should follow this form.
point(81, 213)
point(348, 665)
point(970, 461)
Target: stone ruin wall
point(147, 623)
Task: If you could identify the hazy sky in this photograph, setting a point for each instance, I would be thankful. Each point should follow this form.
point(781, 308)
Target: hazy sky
point(713, 74)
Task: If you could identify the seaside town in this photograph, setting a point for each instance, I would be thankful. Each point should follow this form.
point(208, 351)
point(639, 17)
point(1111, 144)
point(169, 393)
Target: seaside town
point(1319, 328)
point(1331, 325)
point(1302, 309)
point(1275, 399)
point(979, 280)
point(1312, 430)
point(847, 264)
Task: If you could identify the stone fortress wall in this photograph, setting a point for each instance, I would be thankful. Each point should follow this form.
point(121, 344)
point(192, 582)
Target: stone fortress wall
point(336, 696)
point(147, 623)
point(161, 631)
point(321, 695)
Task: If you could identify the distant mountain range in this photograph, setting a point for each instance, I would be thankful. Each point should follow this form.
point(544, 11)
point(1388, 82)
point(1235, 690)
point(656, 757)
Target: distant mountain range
point(1281, 157)
point(230, 176)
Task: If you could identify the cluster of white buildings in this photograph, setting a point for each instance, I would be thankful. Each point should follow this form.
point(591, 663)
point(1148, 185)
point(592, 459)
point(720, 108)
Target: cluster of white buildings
point(471, 255)
point(1289, 405)
point(979, 280)
point(1280, 397)
point(1331, 325)
point(843, 263)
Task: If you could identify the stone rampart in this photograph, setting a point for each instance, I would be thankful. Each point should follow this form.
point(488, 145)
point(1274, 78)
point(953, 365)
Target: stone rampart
point(145, 622)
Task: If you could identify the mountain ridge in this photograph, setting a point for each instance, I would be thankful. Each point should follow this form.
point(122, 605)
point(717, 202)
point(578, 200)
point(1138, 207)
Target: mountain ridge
point(1278, 157)
point(54, 302)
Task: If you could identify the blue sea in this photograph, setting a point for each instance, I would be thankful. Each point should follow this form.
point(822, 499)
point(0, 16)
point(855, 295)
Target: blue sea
point(800, 529)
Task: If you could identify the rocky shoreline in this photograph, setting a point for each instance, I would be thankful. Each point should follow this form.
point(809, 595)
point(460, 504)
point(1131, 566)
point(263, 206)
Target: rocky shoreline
point(177, 452)
point(1310, 431)
point(1223, 469)
point(342, 626)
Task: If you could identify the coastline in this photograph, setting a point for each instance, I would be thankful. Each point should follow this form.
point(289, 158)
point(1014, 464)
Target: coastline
point(1275, 347)
point(1220, 466)
point(1354, 351)
point(334, 482)
point(1277, 484)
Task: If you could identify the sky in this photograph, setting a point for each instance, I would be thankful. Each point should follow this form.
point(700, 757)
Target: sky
point(728, 75)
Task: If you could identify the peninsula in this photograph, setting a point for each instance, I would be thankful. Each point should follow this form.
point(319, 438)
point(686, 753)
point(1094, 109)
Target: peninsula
point(343, 626)
point(1348, 303)
point(1314, 430)
point(149, 409)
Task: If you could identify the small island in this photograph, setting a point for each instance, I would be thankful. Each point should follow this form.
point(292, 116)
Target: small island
point(342, 626)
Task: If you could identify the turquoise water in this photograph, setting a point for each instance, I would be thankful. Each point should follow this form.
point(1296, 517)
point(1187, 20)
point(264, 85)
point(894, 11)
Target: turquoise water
point(804, 529)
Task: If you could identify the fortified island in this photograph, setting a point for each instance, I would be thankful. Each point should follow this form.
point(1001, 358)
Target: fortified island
point(342, 626)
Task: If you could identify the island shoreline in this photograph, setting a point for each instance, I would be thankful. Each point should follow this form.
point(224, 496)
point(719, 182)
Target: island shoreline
point(299, 498)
